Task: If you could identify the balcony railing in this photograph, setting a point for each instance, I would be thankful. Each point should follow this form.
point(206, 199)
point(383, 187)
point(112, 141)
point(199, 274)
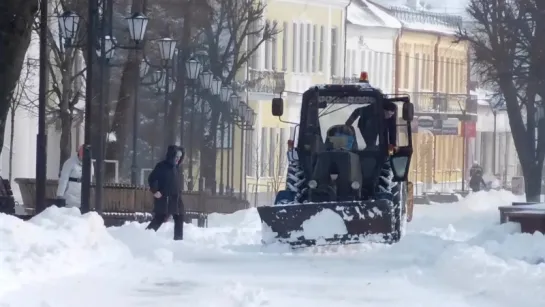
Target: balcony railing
point(425, 102)
point(272, 82)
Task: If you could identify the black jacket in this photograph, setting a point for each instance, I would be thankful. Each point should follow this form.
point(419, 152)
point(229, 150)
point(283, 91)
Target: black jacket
point(476, 181)
point(166, 178)
point(368, 126)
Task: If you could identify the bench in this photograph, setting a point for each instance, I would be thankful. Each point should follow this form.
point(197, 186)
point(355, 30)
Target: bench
point(530, 216)
point(7, 201)
point(125, 202)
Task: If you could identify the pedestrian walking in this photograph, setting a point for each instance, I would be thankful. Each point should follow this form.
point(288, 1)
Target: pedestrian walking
point(165, 185)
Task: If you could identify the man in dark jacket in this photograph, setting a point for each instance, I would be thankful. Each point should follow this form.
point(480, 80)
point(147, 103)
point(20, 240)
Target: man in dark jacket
point(476, 180)
point(165, 184)
point(368, 126)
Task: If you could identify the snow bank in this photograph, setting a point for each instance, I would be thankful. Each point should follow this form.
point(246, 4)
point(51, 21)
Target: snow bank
point(56, 243)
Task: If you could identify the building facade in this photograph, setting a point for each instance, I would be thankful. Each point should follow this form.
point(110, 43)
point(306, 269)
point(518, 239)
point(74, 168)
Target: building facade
point(24, 126)
point(308, 50)
point(371, 36)
point(494, 148)
point(433, 69)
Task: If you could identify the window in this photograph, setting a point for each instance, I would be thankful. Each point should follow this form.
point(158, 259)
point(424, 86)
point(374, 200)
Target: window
point(363, 60)
point(389, 73)
point(263, 153)
point(354, 63)
point(273, 151)
point(268, 49)
point(447, 75)
point(250, 153)
point(406, 71)
point(274, 47)
point(285, 47)
point(441, 74)
point(302, 47)
point(313, 53)
point(334, 51)
point(309, 49)
point(416, 69)
point(321, 58)
point(282, 152)
point(424, 73)
point(253, 39)
point(294, 47)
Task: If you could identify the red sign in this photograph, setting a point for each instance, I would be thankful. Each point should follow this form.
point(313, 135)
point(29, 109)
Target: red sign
point(469, 129)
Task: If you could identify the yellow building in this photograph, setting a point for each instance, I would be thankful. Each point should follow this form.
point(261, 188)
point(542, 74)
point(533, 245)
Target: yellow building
point(433, 69)
point(308, 50)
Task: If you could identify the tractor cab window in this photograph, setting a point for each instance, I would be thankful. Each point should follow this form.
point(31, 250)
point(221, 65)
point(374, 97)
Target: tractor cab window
point(332, 117)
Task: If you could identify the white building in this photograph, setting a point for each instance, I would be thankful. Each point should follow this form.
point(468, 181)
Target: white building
point(25, 129)
point(504, 154)
point(370, 44)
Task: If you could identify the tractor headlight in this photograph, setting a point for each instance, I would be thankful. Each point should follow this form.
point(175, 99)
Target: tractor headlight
point(312, 184)
point(334, 176)
point(355, 185)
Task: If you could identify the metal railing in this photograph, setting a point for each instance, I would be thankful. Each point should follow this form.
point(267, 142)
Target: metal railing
point(261, 81)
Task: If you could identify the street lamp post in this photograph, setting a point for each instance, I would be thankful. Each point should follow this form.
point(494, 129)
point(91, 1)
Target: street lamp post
point(251, 116)
point(193, 69)
point(215, 89)
point(225, 93)
point(234, 102)
point(41, 138)
point(205, 78)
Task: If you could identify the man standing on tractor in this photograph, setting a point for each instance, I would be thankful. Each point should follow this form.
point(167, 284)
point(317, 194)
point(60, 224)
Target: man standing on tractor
point(368, 126)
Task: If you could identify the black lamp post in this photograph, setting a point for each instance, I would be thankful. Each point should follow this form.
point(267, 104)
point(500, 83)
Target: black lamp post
point(205, 78)
point(250, 122)
point(69, 25)
point(234, 101)
point(41, 138)
point(215, 90)
point(225, 93)
point(193, 69)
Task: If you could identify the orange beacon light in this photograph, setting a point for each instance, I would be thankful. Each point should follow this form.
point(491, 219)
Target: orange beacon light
point(364, 77)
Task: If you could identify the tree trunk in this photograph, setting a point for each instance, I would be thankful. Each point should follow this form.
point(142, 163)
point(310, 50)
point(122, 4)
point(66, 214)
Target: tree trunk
point(532, 179)
point(11, 138)
point(122, 121)
point(210, 153)
point(66, 138)
point(16, 21)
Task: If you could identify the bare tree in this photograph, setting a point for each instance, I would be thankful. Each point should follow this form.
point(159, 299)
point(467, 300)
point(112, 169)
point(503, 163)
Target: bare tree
point(66, 78)
point(509, 52)
point(16, 20)
point(23, 95)
point(233, 36)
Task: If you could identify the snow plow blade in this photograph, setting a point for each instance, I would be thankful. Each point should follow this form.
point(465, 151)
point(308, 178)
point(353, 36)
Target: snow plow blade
point(329, 223)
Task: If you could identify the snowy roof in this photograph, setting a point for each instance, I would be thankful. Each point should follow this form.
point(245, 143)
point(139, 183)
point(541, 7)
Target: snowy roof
point(366, 14)
point(417, 16)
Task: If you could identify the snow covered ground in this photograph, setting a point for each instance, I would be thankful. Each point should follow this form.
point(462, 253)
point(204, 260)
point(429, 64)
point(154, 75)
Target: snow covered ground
point(453, 255)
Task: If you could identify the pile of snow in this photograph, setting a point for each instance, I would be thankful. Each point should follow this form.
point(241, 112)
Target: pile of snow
point(56, 243)
point(325, 224)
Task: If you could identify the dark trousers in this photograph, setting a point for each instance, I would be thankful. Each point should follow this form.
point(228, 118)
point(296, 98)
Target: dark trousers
point(159, 219)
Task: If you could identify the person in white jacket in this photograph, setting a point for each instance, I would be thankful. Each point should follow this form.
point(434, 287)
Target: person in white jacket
point(69, 187)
